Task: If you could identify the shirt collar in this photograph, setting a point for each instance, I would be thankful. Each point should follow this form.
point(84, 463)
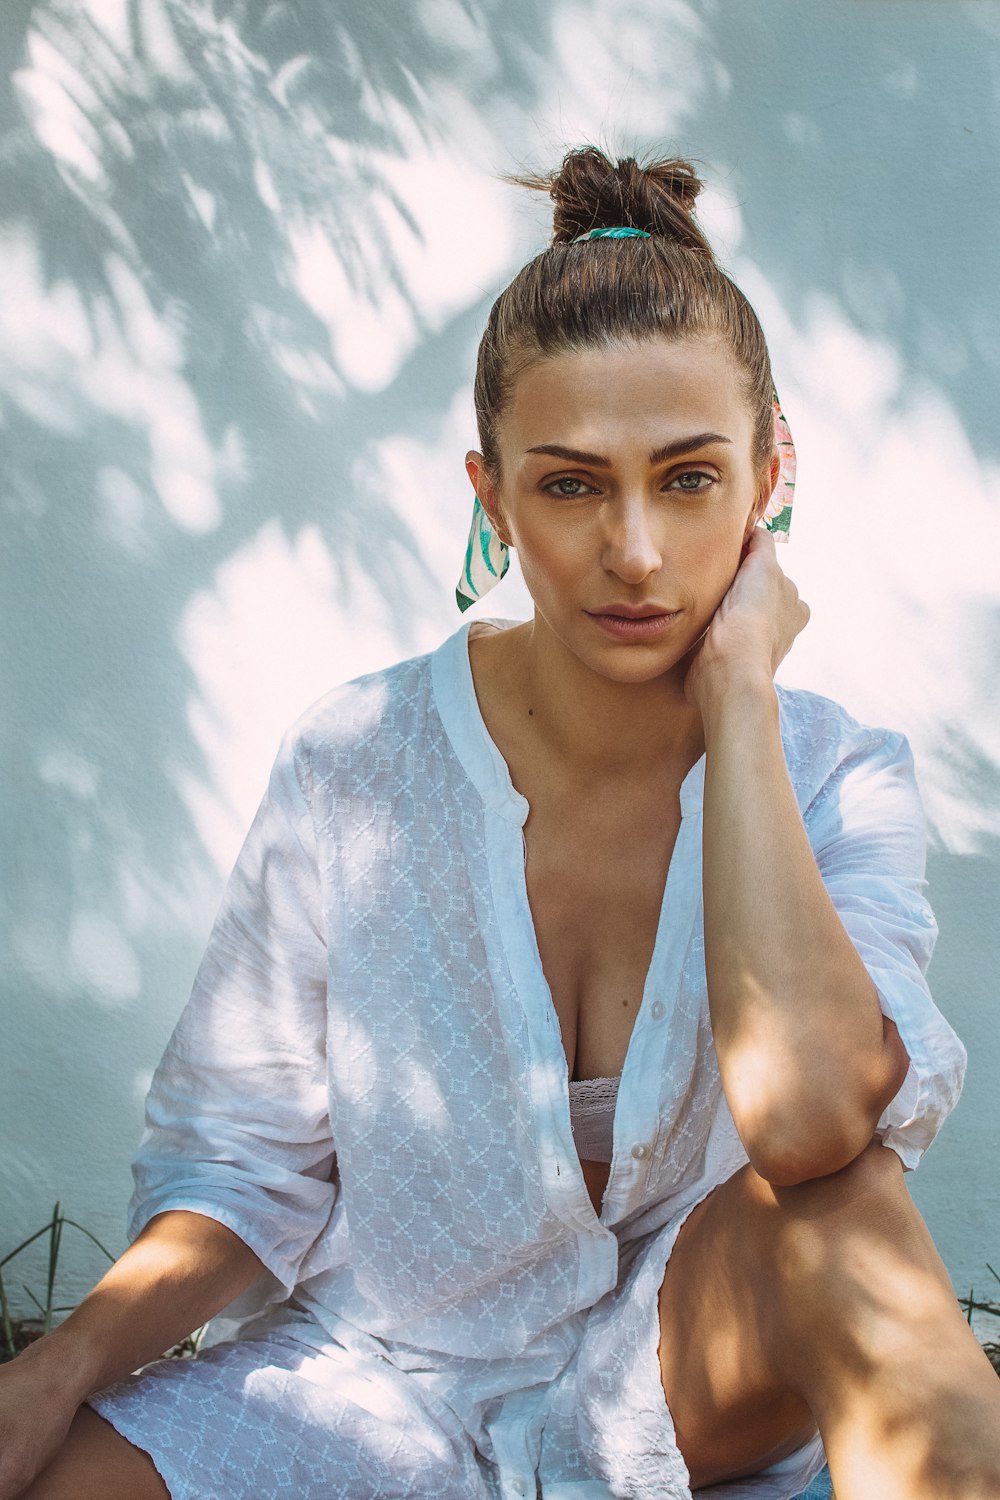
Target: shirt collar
point(455, 696)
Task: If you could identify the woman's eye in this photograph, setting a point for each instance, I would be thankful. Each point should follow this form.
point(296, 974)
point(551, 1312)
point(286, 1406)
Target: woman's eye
point(695, 474)
point(567, 487)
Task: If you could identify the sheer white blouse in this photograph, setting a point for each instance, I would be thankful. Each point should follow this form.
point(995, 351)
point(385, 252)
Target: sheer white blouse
point(368, 1083)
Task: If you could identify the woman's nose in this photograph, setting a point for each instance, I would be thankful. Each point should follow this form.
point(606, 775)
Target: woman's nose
point(632, 549)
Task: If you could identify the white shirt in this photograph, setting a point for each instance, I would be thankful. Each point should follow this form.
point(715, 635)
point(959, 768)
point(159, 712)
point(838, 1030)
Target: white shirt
point(368, 1084)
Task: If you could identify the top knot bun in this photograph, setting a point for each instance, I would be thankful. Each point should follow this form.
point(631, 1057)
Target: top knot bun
point(608, 292)
point(590, 191)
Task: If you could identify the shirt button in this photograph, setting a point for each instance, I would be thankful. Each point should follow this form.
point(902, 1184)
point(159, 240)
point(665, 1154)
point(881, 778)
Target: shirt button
point(638, 1151)
point(658, 1010)
point(519, 1486)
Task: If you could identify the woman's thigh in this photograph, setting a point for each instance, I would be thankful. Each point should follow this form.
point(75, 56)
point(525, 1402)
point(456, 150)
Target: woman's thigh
point(97, 1463)
point(275, 1416)
point(735, 1308)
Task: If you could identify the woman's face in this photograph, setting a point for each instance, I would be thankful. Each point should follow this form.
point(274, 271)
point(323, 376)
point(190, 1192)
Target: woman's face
point(628, 478)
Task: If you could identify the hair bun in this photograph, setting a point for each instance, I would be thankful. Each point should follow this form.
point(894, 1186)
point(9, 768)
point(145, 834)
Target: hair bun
point(590, 191)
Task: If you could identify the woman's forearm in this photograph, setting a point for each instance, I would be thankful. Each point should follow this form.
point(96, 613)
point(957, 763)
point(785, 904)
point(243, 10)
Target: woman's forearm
point(180, 1271)
point(806, 1061)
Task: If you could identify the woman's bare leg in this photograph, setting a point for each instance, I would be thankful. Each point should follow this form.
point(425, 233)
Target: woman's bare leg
point(97, 1463)
point(826, 1304)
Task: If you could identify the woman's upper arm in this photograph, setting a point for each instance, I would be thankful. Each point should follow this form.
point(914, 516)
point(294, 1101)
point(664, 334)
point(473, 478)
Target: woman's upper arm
point(237, 1121)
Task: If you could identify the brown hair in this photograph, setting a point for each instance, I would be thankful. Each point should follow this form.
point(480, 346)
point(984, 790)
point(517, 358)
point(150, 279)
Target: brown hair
point(617, 291)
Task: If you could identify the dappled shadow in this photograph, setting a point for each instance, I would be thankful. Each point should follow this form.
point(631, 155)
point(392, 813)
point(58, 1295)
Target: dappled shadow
point(868, 181)
point(169, 385)
point(859, 151)
point(216, 317)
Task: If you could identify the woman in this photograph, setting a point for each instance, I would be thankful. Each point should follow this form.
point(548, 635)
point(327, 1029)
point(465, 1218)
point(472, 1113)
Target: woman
point(598, 844)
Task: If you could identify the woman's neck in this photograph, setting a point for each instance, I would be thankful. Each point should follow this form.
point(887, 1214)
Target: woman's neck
point(590, 726)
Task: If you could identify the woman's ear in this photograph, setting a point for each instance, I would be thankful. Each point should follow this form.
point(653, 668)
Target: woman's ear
point(489, 499)
point(767, 480)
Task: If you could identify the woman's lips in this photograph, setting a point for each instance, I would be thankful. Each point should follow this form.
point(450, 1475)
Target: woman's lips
point(634, 630)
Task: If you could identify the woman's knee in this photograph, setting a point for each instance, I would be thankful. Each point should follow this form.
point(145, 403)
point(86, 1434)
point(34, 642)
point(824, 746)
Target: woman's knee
point(96, 1463)
point(875, 1171)
point(853, 1255)
point(813, 1219)
point(777, 1266)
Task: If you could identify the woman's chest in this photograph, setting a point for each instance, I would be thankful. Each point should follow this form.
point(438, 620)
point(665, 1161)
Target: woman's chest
point(595, 876)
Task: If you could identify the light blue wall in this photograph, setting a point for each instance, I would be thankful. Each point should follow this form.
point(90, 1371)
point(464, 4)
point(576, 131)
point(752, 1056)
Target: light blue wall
point(244, 266)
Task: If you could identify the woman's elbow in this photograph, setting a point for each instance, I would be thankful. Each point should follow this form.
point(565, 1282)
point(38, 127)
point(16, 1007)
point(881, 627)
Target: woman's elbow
point(812, 1147)
point(820, 1135)
point(791, 1167)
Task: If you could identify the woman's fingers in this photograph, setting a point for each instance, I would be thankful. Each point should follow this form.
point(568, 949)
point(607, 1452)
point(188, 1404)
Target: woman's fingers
point(756, 622)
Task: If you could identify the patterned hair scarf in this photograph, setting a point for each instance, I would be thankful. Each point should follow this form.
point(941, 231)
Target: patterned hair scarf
point(487, 558)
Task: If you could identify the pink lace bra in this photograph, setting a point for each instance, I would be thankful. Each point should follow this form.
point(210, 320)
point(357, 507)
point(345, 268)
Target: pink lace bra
point(592, 1116)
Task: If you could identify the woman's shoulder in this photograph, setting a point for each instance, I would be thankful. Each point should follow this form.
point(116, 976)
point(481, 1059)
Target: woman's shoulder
point(386, 705)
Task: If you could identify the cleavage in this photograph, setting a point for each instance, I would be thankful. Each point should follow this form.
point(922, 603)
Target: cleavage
point(595, 884)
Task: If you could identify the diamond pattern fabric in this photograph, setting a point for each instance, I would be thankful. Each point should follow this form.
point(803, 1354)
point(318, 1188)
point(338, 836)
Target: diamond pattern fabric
point(368, 1086)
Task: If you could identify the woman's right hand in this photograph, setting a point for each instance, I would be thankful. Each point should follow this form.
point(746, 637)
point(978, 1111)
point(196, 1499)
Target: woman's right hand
point(36, 1410)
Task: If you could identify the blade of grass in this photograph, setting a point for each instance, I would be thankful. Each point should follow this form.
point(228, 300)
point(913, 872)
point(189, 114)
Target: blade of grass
point(53, 1229)
point(8, 1327)
point(34, 1299)
point(47, 1229)
point(54, 1240)
point(90, 1236)
point(25, 1243)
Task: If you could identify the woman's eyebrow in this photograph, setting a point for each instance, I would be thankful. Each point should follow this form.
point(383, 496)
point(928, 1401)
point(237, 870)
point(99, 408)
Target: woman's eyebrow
point(658, 455)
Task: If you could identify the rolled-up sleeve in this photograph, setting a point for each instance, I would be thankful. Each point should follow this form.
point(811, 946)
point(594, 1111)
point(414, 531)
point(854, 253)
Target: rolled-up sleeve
point(237, 1116)
point(869, 835)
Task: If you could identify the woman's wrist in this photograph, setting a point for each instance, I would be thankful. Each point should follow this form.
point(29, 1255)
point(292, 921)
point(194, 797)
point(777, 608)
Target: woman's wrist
point(734, 688)
point(62, 1365)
